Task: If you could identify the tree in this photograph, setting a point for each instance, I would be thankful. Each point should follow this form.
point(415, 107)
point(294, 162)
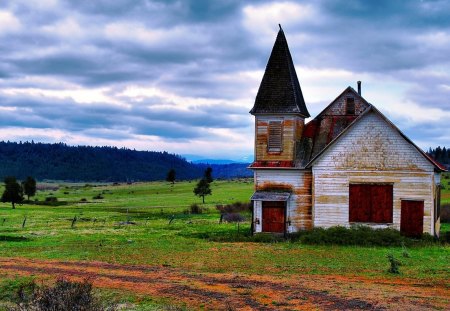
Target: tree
point(13, 191)
point(29, 187)
point(208, 175)
point(202, 189)
point(171, 175)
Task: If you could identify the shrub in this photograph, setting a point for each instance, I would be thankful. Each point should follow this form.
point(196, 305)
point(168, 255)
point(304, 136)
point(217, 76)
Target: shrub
point(63, 295)
point(445, 212)
point(360, 235)
point(195, 209)
point(394, 264)
point(445, 237)
point(98, 197)
point(51, 199)
point(83, 200)
point(233, 217)
point(234, 207)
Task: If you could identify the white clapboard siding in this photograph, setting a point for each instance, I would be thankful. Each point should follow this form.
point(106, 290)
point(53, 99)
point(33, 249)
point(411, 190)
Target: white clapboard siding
point(371, 152)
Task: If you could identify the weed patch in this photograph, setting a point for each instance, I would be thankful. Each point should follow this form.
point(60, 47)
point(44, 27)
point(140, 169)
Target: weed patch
point(63, 295)
point(394, 267)
point(9, 238)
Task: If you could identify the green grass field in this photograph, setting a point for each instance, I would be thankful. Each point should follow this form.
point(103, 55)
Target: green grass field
point(100, 233)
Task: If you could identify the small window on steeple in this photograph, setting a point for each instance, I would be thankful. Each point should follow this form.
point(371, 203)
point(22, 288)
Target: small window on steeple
point(275, 138)
point(350, 105)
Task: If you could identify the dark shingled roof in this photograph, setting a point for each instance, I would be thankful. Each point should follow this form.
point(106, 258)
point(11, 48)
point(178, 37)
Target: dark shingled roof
point(280, 91)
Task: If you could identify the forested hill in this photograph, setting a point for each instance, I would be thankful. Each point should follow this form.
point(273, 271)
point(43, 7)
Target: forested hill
point(84, 163)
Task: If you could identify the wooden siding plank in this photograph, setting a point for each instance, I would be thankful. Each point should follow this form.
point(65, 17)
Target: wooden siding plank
point(406, 184)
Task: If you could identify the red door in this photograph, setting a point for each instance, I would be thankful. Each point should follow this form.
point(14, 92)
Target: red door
point(411, 220)
point(273, 217)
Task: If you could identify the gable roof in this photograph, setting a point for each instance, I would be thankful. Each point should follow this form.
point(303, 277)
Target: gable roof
point(279, 91)
point(327, 125)
point(348, 89)
point(437, 166)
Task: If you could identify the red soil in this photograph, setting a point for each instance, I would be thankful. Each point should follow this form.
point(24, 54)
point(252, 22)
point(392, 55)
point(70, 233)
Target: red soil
point(244, 292)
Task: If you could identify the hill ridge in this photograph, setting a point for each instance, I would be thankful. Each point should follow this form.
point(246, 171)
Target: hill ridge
point(59, 161)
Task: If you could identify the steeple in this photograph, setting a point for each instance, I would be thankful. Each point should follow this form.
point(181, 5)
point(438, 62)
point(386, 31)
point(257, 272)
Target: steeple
point(280, 90)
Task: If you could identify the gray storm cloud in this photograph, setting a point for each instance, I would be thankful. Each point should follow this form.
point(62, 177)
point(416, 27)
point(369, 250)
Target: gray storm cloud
point(207, 51)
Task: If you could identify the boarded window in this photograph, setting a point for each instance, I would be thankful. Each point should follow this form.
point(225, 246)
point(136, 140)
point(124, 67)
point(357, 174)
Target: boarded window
point(371, 203)
point(275, 138)
point(350, 106)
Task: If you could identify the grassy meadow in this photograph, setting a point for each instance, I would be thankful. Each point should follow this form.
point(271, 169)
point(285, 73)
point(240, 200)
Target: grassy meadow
point(149, 223)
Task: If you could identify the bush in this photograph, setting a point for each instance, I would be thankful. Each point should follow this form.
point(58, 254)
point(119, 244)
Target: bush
point(234, 207)
point(394, 264)
point(233, 217)
point(445, 212)
point(195, 209)
point(360, 235)
point(50, 201)
point(63, 295)
point(98, 197)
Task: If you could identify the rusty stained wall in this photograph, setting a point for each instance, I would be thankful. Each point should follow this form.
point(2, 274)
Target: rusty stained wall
point(371, 152)
point(334, 119)
point(299, 209)
point(292, 127)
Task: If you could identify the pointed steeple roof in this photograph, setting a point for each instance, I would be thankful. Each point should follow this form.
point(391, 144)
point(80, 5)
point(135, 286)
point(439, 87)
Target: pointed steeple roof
point(280, 90)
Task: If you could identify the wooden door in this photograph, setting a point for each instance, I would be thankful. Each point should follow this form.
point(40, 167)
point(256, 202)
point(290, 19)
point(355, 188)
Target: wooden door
point(411, 220)
point(273, 217)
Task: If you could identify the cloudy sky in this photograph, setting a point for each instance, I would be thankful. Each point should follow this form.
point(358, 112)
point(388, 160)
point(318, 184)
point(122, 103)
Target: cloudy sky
point(181, 75)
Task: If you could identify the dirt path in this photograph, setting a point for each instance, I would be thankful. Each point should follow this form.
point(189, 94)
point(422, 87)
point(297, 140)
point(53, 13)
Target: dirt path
point(244, 292)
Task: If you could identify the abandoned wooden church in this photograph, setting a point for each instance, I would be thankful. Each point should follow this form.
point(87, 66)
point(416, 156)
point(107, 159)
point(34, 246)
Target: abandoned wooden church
point(349, 165)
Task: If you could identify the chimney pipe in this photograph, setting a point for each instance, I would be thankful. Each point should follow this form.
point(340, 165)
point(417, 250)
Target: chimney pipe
point(359, 88)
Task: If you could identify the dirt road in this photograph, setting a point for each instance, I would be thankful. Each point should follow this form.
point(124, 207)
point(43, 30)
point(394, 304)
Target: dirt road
point(244, 292)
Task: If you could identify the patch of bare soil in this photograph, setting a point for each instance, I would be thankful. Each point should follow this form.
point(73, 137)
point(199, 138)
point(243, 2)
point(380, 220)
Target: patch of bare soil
point(244, 292)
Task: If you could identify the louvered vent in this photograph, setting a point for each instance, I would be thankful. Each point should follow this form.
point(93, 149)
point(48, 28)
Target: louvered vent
point(275, 136)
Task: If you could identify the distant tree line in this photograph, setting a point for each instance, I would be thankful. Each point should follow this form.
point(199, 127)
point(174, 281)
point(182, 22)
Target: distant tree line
point(442, 155)
point(84, 163)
